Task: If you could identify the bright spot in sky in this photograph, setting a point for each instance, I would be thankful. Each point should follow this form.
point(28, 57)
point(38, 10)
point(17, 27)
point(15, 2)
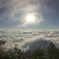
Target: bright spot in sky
point(30, 18)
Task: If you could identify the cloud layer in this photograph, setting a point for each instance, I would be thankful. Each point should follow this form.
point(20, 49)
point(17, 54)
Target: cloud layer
point(28, 40)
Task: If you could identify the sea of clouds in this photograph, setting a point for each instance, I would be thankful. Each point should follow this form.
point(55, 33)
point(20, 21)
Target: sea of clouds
point(28, 40)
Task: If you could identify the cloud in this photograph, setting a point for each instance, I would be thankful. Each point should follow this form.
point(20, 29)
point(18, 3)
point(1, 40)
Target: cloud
point(28, 40)
point(15, 11)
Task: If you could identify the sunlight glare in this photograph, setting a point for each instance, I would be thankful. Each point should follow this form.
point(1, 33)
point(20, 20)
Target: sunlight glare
point(30, 18)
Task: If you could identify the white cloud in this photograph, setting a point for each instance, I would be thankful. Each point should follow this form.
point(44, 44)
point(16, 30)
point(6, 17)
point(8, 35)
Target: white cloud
point(17, 10)
point(28, 40)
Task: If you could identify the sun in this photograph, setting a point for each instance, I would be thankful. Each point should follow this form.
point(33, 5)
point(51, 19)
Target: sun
point(30, 18)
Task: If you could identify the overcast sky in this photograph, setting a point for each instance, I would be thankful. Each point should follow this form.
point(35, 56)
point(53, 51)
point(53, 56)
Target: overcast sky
point(13, 14)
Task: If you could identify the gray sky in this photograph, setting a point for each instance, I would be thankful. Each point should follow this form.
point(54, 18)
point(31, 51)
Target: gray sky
point(29, 14)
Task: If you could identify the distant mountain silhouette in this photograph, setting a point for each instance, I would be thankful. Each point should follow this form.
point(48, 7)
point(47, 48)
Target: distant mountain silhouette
point(2, 42)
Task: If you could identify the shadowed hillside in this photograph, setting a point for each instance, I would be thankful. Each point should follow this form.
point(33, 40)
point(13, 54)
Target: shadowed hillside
point(51, 52)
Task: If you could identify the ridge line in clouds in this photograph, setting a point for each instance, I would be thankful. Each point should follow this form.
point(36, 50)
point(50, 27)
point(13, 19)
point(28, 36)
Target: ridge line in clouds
point(25, 40)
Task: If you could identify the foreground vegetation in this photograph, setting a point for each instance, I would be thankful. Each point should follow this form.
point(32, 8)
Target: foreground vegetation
point(51, 52)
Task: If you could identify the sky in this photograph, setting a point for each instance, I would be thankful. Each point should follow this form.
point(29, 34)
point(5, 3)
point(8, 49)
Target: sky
point(29, 14)
point(26, 15)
